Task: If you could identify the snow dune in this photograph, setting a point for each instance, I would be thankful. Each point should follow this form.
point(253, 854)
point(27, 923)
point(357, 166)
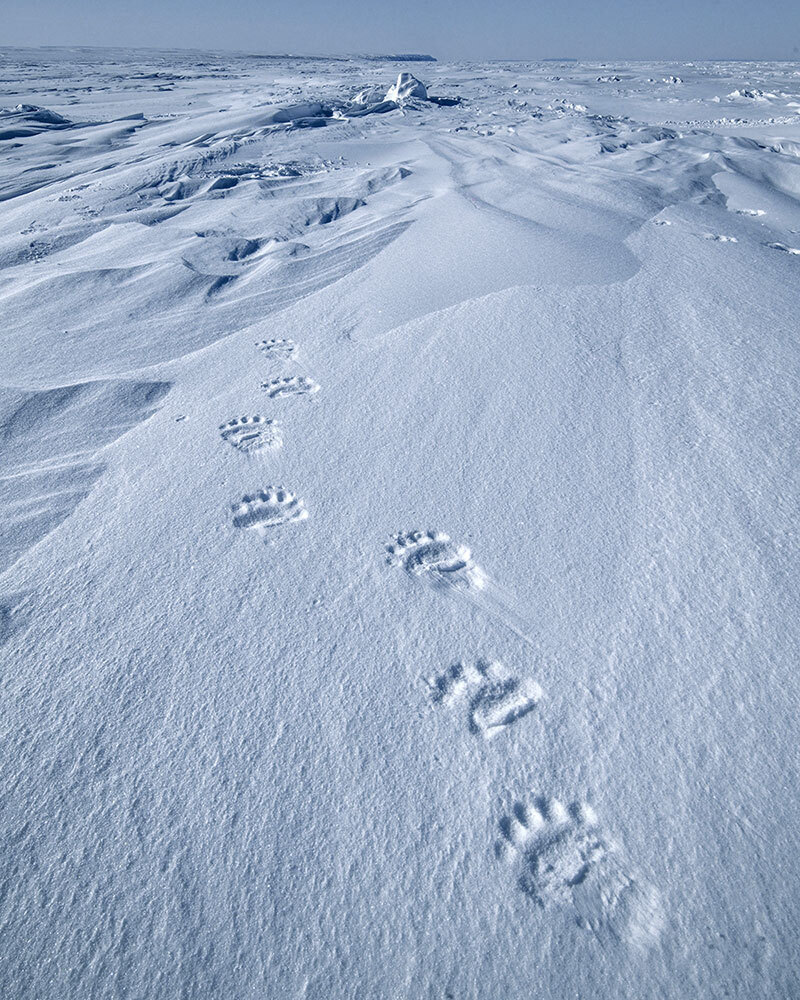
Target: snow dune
point(398, 564)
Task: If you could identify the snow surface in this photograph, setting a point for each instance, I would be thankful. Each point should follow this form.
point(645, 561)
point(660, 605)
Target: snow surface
point(399, 518)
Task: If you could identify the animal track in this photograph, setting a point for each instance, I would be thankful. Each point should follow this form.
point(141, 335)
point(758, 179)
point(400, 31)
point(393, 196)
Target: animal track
point(249, 434)
point(498, 699)
point(433, 556)
point(294, 385)
point(755, 212)
point(279, 350)
point(719, 239)
point(553, 848)
point(267, 509)
point(784, 248)
point(560, 856)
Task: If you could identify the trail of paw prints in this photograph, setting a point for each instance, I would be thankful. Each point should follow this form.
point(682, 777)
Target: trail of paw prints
point(433, 557)
point(268, 508)
point(294, 385)
point(560, 856)
point(252, 434)
point(278, 349)
point(494, 698)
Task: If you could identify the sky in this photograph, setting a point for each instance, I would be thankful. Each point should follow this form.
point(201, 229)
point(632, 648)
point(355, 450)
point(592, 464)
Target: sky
point(468, 29)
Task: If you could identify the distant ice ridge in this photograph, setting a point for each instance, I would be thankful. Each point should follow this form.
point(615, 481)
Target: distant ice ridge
point(402, 57)
point(397, 57)
point(309, 113)
point(371, 95)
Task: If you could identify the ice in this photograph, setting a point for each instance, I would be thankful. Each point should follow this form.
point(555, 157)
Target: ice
point(406, 87)
point(399, 527)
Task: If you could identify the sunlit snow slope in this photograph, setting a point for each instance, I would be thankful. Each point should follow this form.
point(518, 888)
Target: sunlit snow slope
point(399, 493)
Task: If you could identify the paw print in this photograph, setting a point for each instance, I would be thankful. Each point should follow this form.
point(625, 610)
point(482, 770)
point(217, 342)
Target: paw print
point(498, 698)
point(294, 385)
point(432, 555)
point(250, 434)
point(267, 509)
point(278, 349)
point(554, 848)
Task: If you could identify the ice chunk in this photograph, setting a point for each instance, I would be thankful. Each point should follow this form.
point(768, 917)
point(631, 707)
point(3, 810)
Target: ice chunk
point(407, 86)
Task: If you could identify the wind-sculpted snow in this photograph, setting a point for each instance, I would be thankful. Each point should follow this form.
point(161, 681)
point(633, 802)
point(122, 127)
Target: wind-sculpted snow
point(53, 445)
point(258, 741)
point(26, 119)
point(166, 245)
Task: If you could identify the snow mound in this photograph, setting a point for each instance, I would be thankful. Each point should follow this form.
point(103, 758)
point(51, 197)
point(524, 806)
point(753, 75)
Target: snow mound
point(406, 87)
point(28, 119)
point(309, 113)
point(746, 94)
point(371, 95)
point(373, 100)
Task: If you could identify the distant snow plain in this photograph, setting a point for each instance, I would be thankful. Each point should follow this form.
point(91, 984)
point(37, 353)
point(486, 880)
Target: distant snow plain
point(399, 491)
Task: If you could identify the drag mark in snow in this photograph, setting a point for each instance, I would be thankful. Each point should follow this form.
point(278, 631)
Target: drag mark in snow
point(250, 434)
point(294, 385)
point(268, 508)
point(278, 350)
point(496, 699)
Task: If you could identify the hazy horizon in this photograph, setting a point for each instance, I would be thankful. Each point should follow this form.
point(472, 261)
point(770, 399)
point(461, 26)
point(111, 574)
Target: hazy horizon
point(579, 30)
point(409, 53)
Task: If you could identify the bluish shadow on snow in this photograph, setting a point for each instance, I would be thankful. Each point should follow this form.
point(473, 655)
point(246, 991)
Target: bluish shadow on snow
point(50, 451)
point(12, 618)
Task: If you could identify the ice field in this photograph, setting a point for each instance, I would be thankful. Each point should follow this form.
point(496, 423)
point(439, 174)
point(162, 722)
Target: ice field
point(399, 500)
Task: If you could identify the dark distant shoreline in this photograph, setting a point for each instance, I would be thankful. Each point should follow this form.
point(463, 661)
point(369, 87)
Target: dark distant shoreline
point(108, 50)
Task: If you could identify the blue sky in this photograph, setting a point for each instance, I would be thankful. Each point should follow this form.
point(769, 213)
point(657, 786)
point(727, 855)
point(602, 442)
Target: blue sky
point(603, 29)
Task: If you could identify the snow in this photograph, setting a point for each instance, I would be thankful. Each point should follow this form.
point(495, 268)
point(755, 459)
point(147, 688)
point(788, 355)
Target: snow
point(406, 87)
point(399, 567)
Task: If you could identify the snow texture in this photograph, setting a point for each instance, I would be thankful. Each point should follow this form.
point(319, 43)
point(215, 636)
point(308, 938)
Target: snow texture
point(494, 692)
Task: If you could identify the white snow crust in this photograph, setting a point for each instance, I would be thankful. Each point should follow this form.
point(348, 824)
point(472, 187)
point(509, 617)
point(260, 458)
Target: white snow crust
point(399, 495)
